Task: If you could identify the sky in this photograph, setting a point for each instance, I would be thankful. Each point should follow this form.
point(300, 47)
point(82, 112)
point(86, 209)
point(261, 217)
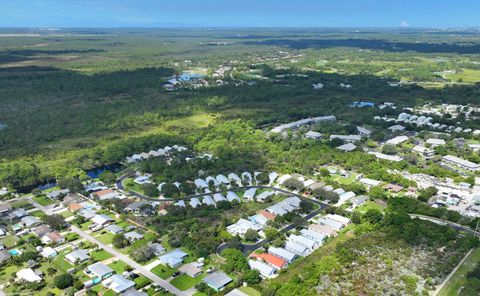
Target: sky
point(240, 13)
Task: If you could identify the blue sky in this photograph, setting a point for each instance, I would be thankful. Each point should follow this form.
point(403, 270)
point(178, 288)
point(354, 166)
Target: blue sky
point(239, 13)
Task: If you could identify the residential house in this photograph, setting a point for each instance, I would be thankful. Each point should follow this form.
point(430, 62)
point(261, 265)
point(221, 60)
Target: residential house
point(106, 194)
point(77, 256)
point(250, 194)
point(346, 138)
point(190, 269)
point(393, 187)
point(58, 193)
point(173, 258)
point(157, 248)
point(53, 237)
point(114, 229)
point(241, 227)
point(102, 219)
point(118, 284)
point(264, 195)
point(30, 221)
point(461, 163)
point(304, 241)
point(347, 147)
point(41, 230)
point(322, 228)
point(100, 270)
point(338, 218)
point(218, 197)
point(217, 280)
point(397, 140)
point(297, 249)
point(49, 252)
point(133, 236)
point(265, 270)
point(207, 200)
point(231, 196)
point(313, 135)
point(282, 253)
point(313, 235)
point(272, 260)
point(194, 202)
point(28, 275)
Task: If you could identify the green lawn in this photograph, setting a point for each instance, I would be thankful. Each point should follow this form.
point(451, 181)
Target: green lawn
point(85, 225)
point(118, 266)
point(184, 282)
point(250, 291)
point(9, 241)
point(106, 238)
point(66, 214)
point(368, 205)
point(100, 255)
point(457, 281)
point(43, 200)
point(141, 282)
point(6, 272)
point(163, 271)
point(38, 214)
point(61, 263)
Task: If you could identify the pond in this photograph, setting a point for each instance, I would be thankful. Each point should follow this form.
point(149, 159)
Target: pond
point(94, 173)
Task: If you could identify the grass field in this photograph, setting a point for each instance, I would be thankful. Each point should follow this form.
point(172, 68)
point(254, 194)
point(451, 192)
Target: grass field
point(106, 238)
point(61, 263)
point(191, 122)
point(250, 291)
point(38, 214)
point(466, 75)
point(100, 255)
point(368, 205)
point(43, 200)
point(66, 214)
point(9, 241)
point(184, 282)
point(118, 266)
point(163, 271)
point(457, 281)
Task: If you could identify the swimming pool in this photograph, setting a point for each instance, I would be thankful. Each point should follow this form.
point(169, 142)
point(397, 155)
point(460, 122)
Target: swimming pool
point(14, 252)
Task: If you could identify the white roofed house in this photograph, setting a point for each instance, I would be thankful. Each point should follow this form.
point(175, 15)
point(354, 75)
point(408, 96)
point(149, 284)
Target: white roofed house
point(207, 200)
point(222, 179)
point(347, 147)
point(342, 198)
point(30, 221)
point(335, 225)
point(212, 181)
point(282, 253)
point(346, 138)
point(265, 270)
point(28, 275)
point(173, 258)
point(435, 142)
point(231, 196)
point(217, 197)
point(194, 202)
point(250, 194)
point(102, 219)
point(397, 140)
point(272, 177)
point(100, 270)
point(363, 131)
point(180, 203)
point(313, 235)
point(461, 163)
point(264, 195)
point(247, 178)
point(77, 256)
point(304, 241)
point(133, 236)
point(200, 183)
point(235, 178)
point(338, 218)
point(297, 249)
point(396, 128)
point(241, 227)
point(313, 135)
point(283, 178)
point(369, 182)
point(118, 283)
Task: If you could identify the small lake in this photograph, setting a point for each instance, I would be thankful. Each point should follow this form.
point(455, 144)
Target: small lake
point(94, 173)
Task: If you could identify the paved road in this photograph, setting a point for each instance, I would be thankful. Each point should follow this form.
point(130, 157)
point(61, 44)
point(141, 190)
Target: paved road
point(445, 222)
point(165, 284)
point(440, 287)
point(144, 271)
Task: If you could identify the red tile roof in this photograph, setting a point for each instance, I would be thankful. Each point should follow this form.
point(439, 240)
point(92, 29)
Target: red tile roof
point(267, 215)
point(270, 259)
point(103, 192)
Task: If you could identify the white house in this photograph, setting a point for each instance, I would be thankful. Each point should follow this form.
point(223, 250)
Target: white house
point(265, 270)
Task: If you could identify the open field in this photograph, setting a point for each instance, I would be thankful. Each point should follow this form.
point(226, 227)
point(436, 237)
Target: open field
point(454, 285)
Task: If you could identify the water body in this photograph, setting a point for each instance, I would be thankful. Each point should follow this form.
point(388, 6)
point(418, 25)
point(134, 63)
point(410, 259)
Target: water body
point(94, 173)
point(2, 126)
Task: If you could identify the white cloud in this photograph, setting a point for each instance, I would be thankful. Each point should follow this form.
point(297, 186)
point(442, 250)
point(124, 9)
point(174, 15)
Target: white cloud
point(404, 24)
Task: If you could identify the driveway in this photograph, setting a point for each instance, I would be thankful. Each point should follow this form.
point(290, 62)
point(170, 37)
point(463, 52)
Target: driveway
point(141, 269)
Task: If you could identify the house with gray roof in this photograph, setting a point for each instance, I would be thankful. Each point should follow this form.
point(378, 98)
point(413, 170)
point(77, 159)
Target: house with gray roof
point(217, 280)
point(100, 270)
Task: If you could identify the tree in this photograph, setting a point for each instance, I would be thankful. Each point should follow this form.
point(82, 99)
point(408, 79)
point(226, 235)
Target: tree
point(389, 149)
point(169, 190)
point(262, 178)
point(29, 255)
point(322, 194)
point(251, 235)
point(36, 192)
point(142, 253)
point(252, 277)
point(235, 261)
point(119, 241)
point(63, 281)
point(271, 233)
point(71, 183)
point(150, 189)
point(51, 271)
point(107, 177)
point(373, 216)
point(377, 192)
point(425, 194)
point(294, 184)
point(55, 221)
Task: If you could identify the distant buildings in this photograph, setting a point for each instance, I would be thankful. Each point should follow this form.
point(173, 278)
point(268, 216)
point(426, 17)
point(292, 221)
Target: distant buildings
point(301, 122)
point(461, 163)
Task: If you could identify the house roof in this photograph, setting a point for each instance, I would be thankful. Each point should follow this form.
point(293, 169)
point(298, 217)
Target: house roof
point(393, 187)
point(217, 280)
point(135, 205)
point(282, 253)
point(270, 259)
point(101, 219)
point(236, 292)
point(118, 283)
point(54, 236)
point(190, 269)
point(99, 269)
point(28, 275)
point(48, 252)
point(30, 221)
point(75, 207)
point(133, 235)
point(42, 230)
point(77, 255)
point(264, 269)
point(114, 228)
point(268, 215)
